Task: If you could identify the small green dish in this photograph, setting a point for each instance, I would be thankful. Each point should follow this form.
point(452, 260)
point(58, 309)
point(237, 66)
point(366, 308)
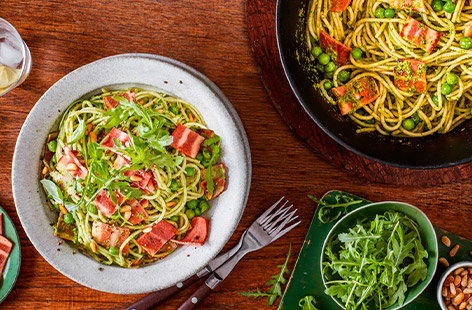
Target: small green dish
point(428, 236)
point(12, 267)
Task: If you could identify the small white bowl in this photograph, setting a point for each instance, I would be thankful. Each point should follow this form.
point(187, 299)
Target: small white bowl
point(439, 296)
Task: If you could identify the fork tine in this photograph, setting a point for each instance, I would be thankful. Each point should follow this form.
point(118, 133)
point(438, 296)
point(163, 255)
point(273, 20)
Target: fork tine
point(270, 219)
point(264, 215)
point(276, 220)
point(281, 222)
point(286, 230)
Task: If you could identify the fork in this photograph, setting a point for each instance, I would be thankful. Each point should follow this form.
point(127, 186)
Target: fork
point(270, 226)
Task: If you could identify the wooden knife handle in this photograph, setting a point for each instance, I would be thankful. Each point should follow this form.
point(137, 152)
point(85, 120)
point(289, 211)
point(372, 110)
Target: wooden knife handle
point(197, 298)
point(158, 297)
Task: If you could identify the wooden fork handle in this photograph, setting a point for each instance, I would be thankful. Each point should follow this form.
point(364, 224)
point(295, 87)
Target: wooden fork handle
point(197, 298)
point(158, 297)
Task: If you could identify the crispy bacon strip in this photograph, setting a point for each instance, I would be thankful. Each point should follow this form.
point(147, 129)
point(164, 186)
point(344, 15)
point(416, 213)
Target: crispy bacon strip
point(111, 103)
point(186, 141)
point(356, 94)
point(410, 75)
point(337, 50)
point(420, 35)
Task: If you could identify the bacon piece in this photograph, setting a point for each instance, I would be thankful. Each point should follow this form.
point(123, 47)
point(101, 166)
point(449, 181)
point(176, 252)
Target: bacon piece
point(219, 181)
point(154, 237)
point(420, 35)
point(339, 5)
point(111, 103)
point(197, 234)
point(410, 75)
point(70, 157)
point(186, 141)
point(415, 5)
point(468, 30)
point(138, 213)
point(337, 50)
point(117, 134)
point(109, 235)
point(64, 230)
point(5, 249)
point(356, 94)
point(104, 203)
point(141, 179)
point(120, 161)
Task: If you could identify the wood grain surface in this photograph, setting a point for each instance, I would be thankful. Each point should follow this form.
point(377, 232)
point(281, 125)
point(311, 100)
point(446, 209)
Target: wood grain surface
point(263, 40)
point(210, 36)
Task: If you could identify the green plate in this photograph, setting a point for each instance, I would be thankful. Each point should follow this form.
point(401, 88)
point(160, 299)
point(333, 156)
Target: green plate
point(306, 278)
point(12, 268)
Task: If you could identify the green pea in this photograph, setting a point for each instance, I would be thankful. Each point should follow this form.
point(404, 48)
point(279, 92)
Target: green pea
point(320, 68)
point(204, 205)
point(190, 171)
point(449, 7)
point(389, 13)
point(324, 59)
point(316, 51)
point(173, 109)
point(416, 118)
point(68, 218)
point(199, 157)
point(329, 75)
point(114, 250)
point(52, 145)
point(452, 78)
point(198, 211)
point(465, 43)
point(438, 5)
point(408, 124)
point(327, 85)
point(92, 209)
point(357, 53)
point(192, 204)
point(436, 99)
point(344, 76)
point(174, 185)
point(380, 13)
point(190, 214)
point(446, 89)
point(330, 67)
point(174, 218)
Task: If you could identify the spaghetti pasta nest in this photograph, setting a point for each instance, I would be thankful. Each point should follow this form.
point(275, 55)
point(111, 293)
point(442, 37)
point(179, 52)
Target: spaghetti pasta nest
point(434, 110)
point(177, 190)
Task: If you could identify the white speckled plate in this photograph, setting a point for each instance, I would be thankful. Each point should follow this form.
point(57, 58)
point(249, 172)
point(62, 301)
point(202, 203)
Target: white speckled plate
point(146, 71)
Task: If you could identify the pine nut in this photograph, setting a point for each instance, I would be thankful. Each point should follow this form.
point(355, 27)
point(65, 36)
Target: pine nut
point(458, 299)
point(135, 178)
point(45, 170)
point(464, 281)
point(462, 305)
point(457, 280)
point(93, 246)
point(452, 288)
point(71, 167)
point(127, 215)
point(444, 262)
point(63, 209)
point(454, 250)
point(459, 270)
point(444, 291)
point(147, 229)
point(467, 290)
point(446, 241)
point(170, 204)
point(451, 307)
point(125, 208)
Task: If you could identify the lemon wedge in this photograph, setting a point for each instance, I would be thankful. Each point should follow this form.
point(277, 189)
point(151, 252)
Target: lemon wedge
point(8, 76)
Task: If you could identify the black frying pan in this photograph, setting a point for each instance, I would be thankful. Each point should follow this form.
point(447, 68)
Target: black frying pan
point(436, 151)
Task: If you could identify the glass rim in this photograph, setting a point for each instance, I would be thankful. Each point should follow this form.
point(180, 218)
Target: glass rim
point(23, 52)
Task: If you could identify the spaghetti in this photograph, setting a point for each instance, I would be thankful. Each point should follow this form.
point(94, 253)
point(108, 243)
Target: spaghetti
point(418, 54)
point(114, 169)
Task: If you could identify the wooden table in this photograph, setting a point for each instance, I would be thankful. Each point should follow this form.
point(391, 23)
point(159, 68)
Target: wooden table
point(210, 36)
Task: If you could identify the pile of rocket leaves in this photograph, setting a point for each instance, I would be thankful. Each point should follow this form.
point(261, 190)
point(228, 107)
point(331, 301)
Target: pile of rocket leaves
point(374, 263)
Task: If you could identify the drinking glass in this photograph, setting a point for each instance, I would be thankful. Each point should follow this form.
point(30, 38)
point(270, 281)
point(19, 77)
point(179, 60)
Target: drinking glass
point(15, 58)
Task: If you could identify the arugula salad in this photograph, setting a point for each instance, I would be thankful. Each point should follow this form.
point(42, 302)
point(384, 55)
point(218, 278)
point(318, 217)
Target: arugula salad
point(374, 263)
point(129, 174)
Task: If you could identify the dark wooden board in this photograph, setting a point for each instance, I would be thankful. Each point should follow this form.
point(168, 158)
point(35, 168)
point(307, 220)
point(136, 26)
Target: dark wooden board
point(260, 17)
